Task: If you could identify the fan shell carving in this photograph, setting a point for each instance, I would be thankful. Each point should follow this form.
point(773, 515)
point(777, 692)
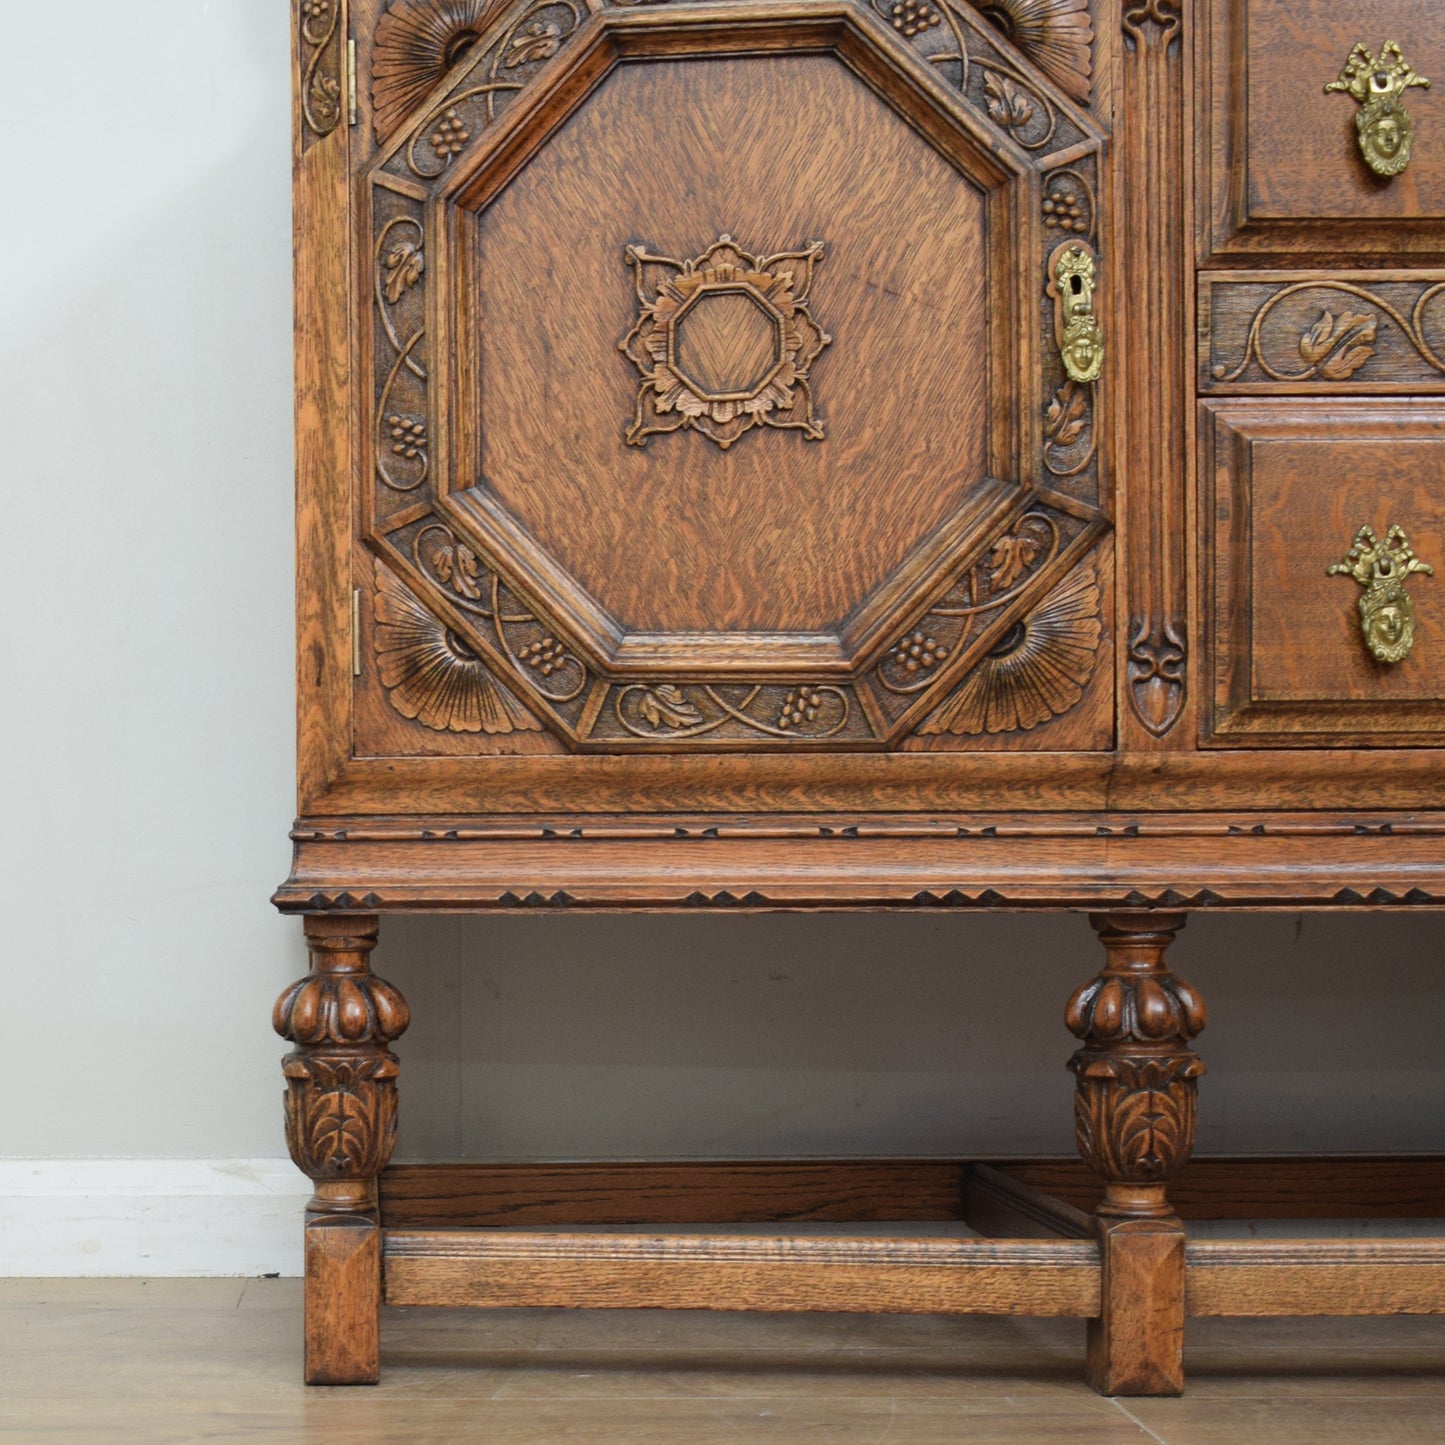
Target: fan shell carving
point(417, 43)
point(434, 677)
point(1036, 675)
point(1057, 35)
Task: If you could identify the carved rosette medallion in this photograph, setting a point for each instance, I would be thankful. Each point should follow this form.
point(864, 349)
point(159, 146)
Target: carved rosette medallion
point(1135, 1074)
point(341, 1078)
point(725, 342)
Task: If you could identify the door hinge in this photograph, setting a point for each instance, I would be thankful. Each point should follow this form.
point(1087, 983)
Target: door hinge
point(351, 80)
point(356, 632)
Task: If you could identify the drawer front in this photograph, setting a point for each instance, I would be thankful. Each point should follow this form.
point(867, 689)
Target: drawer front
point(1285, 169)
point(1286, 488)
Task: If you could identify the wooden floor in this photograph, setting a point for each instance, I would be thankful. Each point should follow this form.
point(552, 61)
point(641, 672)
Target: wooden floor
point(98, 1361)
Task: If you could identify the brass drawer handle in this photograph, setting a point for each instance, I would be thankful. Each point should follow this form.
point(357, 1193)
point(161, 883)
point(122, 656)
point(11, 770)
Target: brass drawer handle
point(1378, 83)
point(1080, 336)
point(1387, 611)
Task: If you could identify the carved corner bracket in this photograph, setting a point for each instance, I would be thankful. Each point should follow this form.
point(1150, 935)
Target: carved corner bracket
point(1037, 672)
point(1057, 35)
point(431, 673)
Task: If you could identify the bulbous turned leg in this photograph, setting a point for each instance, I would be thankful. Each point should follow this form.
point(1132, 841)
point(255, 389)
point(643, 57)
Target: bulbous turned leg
point(1134, 1112)
point(341, 1128)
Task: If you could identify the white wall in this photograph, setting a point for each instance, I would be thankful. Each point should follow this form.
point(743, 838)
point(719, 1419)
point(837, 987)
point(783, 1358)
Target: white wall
point(145, 601)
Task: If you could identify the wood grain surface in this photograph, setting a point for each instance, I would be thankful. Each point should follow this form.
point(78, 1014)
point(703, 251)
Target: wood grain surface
point(420, 1196)
point(675, 537)
point(1315, 1277)
point(675, 1271)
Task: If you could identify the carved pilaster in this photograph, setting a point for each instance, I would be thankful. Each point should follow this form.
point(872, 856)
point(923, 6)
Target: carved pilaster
point(1153, 163)
point(1135, 1089)
point(341, 1077)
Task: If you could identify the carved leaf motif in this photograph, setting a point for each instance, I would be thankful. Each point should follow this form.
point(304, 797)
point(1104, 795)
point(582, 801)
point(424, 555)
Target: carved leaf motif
point(1007, 104)
point(1315, 343)
point(1346, 363)
point(536, 42)
point(326, 98)
point(405, 263)
point(1011, 557)
point(341, 1128)
point(1149, 1130)
point(456, 564)
point(340, 1114)
point(1068, 415)
point(668, 706)
point(1340, 347)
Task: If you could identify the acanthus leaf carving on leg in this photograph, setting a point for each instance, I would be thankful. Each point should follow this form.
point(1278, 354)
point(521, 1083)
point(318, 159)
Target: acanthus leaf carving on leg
point(1134, 1103)
point(340, 1114)
point(341, 1104)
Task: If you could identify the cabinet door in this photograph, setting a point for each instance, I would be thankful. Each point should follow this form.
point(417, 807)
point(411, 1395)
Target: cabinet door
point(718, 389)
point(1296, 639)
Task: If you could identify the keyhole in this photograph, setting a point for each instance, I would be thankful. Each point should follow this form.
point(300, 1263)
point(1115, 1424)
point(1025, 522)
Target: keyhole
point(1076, 285)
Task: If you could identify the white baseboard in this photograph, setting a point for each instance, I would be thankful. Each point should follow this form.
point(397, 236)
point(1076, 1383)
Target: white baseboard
point(180, 1217)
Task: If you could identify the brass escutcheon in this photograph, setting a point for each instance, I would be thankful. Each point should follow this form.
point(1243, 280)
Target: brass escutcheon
point(1386, 134)
point(1080, 336)
point(1387, 611)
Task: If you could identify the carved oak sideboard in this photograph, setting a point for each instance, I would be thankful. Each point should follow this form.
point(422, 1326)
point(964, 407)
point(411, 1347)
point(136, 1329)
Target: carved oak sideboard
point(905, 454)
